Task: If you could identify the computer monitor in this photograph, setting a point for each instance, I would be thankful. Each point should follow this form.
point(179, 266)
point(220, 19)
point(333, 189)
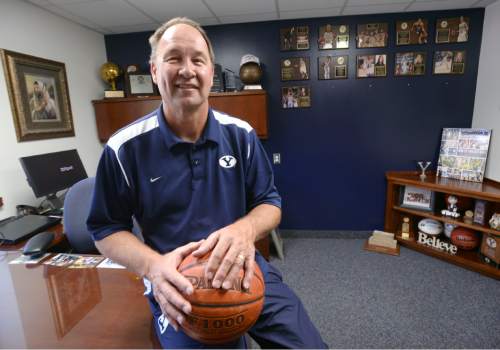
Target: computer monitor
point(52, 172)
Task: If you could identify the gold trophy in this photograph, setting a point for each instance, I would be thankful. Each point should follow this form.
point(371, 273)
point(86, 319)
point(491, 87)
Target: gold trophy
point(109, 73)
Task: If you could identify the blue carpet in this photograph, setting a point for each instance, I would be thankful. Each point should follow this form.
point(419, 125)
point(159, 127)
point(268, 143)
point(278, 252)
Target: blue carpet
point(360, 299)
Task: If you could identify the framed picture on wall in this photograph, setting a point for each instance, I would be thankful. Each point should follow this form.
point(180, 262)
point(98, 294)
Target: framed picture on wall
point(295, 68)
point(452, 30)
point(412, 32)
point(333, 37)
point(372, 35)
point(39, 96)
point(416, 198)
point(294, 38)
point(449, 62)
point(139, 84)
point(333, 67)
point(410, 63)
point(368, 66)
point(295, 96)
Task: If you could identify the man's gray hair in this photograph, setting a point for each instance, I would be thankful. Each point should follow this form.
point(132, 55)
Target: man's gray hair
point(155, 38)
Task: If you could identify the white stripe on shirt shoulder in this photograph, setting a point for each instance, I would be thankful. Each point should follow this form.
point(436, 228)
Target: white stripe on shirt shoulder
point(227, 119)
point(128, 133)
point(131, 131)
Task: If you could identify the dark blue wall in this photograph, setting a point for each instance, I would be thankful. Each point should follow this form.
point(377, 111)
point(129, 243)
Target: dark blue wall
point(335, 153)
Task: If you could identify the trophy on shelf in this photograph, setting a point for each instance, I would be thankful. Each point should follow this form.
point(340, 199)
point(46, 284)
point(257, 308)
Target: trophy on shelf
point(109, 73)
point(250, 72)
point(423, 168)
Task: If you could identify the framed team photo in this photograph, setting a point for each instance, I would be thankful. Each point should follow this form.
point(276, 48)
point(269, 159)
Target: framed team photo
point(449, 62)
point(410, 63)
point(295, 97)
point(333, 37)
point(368, 66)
point(295, 68)
point(333, 67)
point(452, 30)
point(412, 32)
point(294, 38)
point(372, 35)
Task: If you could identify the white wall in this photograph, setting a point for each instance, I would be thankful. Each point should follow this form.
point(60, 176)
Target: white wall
point(28, 29)
point(487, 102)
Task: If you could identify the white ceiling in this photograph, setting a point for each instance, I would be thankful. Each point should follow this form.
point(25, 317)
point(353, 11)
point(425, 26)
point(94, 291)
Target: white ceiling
point(125, 16)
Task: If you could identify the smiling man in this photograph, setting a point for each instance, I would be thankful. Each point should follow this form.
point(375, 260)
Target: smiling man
point(196, 180)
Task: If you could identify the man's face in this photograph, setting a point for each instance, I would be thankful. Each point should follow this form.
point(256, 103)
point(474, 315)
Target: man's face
point(182, 68)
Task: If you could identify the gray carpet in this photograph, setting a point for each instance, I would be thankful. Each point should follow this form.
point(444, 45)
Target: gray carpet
point(360, 299)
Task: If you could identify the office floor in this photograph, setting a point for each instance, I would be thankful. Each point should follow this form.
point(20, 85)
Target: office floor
point(360, 299)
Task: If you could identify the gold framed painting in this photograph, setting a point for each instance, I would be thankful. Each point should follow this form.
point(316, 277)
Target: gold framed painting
point(39, 97)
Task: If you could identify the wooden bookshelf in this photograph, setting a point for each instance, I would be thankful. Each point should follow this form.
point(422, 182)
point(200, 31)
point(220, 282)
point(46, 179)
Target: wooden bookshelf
point(488, 190)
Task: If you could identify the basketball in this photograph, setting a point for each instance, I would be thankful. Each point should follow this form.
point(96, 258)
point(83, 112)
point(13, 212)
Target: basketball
point(220, 316)
point(464, 238)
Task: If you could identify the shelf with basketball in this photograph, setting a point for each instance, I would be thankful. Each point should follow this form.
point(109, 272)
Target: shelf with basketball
point(463, 241)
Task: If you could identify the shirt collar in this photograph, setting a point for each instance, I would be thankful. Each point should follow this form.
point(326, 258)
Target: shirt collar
point(211, 131)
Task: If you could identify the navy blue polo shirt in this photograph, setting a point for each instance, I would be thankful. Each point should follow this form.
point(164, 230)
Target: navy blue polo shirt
point(179, 191)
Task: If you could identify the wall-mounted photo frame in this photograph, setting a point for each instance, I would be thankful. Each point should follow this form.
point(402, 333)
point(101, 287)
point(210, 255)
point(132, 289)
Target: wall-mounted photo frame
point(333, 37)
point(294, 38)
point(295, 96)
point(412, 32)
point(139, 84)
point(410, 63)
point(452, 30)
point(369, 66)
point(372, 35)
point(295, 68)
point(416, 198)
point(39, 96)
point(333, 67)
point(449, 62)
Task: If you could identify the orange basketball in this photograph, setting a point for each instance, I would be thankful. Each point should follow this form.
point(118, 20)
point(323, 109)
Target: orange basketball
point(218, 315)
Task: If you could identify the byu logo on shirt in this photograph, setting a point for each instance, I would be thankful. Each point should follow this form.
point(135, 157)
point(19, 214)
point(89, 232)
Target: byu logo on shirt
point(227, 161)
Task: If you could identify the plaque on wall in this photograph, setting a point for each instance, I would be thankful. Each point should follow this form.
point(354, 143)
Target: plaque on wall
point(449, 62)
point(371, 66)
point(452, 30)
point(333, 37)
point(372, 35)
point(295, 96)
point(412, 32)
point(295, 68)
point(294, 38)
point(332, 67)
point(410, 63)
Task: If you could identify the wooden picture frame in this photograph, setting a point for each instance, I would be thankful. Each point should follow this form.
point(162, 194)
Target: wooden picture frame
point(295, 97)
point(371, 35)
point(294, 38)
point(139, 84)
point(371, 66)
point(333, 67)
point(39, 96)
point(449, 62)
point(416, 198)
point(410, 63)
point(295, 68)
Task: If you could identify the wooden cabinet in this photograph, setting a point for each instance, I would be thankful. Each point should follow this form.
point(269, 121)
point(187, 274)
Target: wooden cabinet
point(112, 114)
point(488, 190)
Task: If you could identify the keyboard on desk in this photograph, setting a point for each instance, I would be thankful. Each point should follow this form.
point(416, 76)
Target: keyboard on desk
point(18, 228)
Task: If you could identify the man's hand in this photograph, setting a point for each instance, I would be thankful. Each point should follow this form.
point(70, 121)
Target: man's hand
point(232, 249)
point(169, 285)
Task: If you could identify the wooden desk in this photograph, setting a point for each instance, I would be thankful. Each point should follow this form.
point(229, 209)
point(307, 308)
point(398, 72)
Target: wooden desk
point(52, 307)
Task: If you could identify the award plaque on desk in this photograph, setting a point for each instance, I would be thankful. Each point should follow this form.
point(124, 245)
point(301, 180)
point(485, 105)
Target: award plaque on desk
point(218, 85)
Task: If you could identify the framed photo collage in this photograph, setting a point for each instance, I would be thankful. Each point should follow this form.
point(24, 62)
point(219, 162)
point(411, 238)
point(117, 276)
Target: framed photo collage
point(335, 65)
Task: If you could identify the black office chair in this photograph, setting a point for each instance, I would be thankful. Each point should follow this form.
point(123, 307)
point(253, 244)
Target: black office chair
point(76, 210)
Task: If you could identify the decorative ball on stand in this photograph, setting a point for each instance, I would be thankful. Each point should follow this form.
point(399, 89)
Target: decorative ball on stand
point(109, 73)
point(250, 71)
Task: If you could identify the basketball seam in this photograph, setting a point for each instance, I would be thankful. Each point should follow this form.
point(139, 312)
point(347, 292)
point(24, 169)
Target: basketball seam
point(227, 305)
